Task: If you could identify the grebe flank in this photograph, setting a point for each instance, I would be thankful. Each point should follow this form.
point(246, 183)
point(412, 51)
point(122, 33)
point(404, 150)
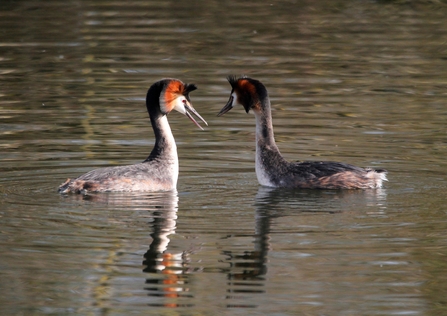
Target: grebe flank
point(159, 172)
point(272, 169)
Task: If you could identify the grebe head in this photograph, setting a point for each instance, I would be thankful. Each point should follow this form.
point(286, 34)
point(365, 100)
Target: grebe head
point(248, 92)
point(174, 95)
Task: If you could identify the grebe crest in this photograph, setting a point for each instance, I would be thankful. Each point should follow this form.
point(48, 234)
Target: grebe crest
point(272, 169)
point(159, 172)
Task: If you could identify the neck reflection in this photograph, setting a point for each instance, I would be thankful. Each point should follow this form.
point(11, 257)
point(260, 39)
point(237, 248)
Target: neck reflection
point(167, 270)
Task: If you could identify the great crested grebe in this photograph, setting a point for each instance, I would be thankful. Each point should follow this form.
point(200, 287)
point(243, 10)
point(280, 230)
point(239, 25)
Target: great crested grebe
point(272, 169)
point(159, 172)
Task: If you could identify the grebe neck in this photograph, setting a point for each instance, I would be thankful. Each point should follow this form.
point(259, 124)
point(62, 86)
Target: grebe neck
point(268, 157)
point(165, 147)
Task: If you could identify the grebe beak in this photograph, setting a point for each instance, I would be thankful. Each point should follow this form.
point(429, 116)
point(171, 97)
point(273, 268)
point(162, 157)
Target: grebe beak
point(188, 110)
point(227, 107)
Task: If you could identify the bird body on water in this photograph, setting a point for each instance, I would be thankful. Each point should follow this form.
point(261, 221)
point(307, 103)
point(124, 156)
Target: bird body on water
point(273, 170)
point(159, 172)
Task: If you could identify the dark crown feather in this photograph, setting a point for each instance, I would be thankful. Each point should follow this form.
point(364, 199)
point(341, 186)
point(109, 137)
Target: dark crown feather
point(189, 87)
point(234, 79)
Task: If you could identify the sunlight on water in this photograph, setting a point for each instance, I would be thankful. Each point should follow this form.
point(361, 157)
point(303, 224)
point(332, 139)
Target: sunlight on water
point(358, 82)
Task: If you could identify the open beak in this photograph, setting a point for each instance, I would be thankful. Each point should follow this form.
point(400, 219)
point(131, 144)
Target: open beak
point(227, 107)
point(188, 110)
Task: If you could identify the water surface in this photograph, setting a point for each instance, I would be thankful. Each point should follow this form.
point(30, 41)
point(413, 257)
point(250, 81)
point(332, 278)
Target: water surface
point(361, 82)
